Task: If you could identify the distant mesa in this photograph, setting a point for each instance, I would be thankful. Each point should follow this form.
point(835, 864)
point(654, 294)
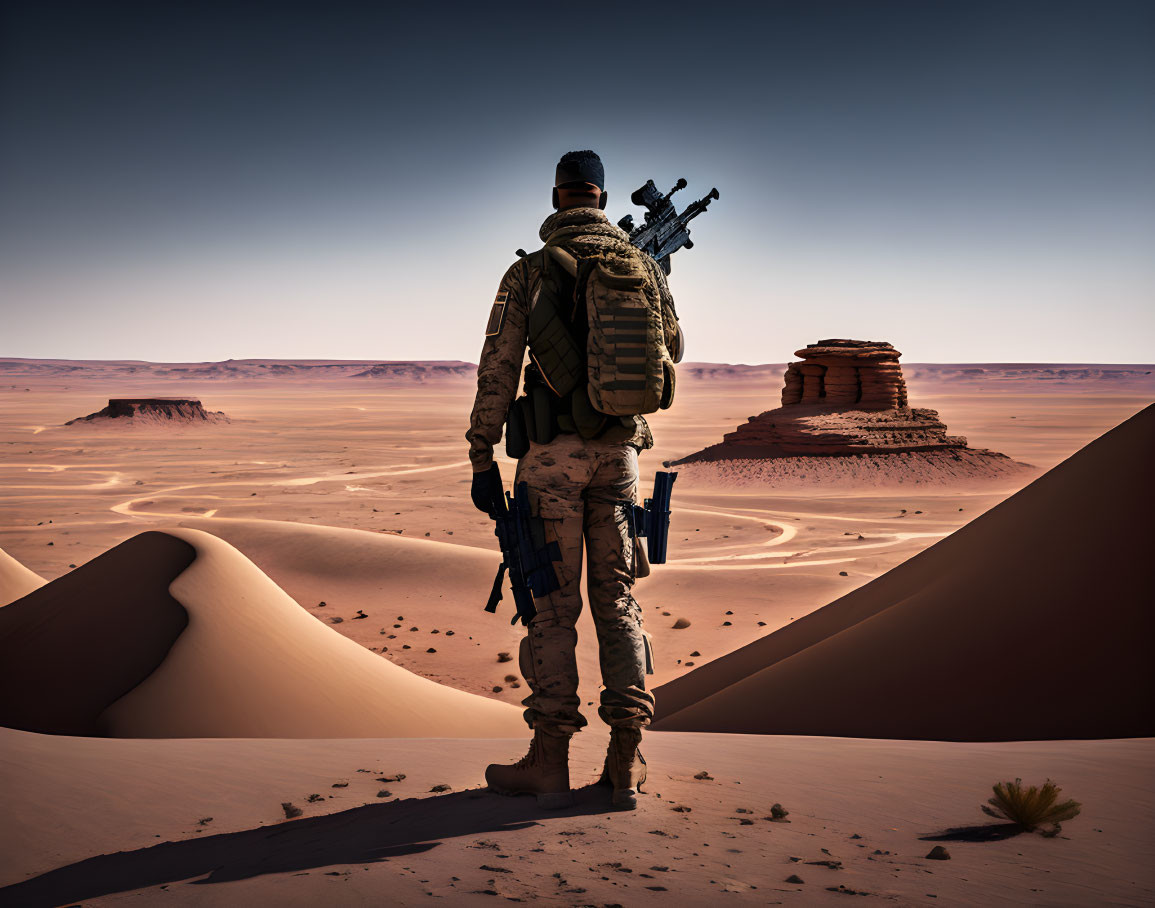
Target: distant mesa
point(848, 399)
point(418, 370)
point(156, 410)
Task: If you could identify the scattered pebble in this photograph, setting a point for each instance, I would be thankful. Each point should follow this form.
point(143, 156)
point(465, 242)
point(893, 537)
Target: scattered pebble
point(431, 650)
point(794, 878)
point(938, 853)
point(290, 810)
point(704, 776)
point(680, 624)
point(384, 793)
point(845, 890)
point(336, 619)
point(360, 614)
point(314, 798)
point(441, 787)
point(778, 812)
point(504, 657)
point(396, 777)
point(340, 784)
point(204, 821)
point(843, 574)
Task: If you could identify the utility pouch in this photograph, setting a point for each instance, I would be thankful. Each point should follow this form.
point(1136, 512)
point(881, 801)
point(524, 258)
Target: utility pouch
point(516, 432)
point(544, 421)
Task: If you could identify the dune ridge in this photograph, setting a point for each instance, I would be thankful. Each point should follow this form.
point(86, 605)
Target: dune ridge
point(250, 662)
point(65, 655)
point(1015, 627)
point(16, 581)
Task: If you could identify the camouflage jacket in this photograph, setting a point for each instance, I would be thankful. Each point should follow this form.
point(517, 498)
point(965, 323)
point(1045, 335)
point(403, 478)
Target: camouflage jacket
point(583, 232)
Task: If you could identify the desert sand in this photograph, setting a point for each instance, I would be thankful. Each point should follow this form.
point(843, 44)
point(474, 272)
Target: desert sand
point(15, 579)
point(1004, 609)
point(333, 552)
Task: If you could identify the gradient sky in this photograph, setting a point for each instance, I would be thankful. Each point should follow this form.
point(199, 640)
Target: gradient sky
point(198, 181)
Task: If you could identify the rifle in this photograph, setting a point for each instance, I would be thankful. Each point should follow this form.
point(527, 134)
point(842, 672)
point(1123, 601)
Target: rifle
point(525, 554)
point(652, 519)
point(665, 231)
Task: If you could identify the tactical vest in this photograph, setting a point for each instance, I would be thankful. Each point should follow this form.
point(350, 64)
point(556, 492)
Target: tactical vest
point(596, 345)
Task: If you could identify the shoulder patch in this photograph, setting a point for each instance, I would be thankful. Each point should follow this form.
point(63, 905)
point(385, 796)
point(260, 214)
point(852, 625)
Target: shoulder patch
point(496, 315)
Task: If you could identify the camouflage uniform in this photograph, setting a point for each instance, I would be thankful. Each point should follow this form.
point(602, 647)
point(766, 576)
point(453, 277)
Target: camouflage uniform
point(577, 486)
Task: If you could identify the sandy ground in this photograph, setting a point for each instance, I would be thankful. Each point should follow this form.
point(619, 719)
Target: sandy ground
point(352, 496)
point(387, 459)
point(200, 822)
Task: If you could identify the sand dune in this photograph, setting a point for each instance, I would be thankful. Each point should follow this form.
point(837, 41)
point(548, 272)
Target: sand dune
point(1032, 622)
point(16, 581)
point(250, 663)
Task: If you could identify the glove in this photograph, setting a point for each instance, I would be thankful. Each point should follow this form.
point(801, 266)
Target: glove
point(487, 491)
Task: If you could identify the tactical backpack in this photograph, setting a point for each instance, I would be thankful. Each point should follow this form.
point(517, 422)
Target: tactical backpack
point(597, 338)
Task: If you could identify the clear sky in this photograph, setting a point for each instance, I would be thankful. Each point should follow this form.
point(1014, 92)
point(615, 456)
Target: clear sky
point(971, 181)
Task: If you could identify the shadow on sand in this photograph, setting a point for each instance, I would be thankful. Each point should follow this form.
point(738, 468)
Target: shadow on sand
point(360, 835)
point(985, 832)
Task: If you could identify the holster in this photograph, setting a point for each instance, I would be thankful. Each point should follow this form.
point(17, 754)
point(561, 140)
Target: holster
point(516, 431)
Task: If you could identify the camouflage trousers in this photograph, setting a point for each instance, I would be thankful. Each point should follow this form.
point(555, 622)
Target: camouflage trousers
point(578, 487)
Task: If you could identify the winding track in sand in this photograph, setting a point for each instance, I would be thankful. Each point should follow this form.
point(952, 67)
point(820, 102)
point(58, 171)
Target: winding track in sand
point(766, 555)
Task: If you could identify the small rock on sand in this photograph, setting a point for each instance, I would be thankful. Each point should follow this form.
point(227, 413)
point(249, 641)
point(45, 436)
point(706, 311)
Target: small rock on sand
point(681, 623)
point(336, 620)
point(290, 810)
point(794, 878)
point(504, 657)
point(704, 776)
point(938, 853)
point(441, 787)
point(778, 812)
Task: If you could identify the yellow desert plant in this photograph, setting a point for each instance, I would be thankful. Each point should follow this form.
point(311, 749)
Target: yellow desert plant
point(1031, 807)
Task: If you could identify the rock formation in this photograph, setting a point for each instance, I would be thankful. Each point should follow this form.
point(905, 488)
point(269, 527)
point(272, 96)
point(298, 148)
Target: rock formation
point(154, 410)
point(419, 371)
point(844, 398)
point(851, 374)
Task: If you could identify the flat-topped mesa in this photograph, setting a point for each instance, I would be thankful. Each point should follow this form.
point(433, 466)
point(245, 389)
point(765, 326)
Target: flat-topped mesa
point(154, 410)
point(846, 375)
point(847, 398)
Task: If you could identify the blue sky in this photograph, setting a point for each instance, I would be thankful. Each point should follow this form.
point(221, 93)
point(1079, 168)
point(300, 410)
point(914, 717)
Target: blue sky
point(970, 181)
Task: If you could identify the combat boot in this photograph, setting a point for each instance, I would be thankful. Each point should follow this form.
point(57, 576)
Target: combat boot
point(625, 768)
point(544, 772)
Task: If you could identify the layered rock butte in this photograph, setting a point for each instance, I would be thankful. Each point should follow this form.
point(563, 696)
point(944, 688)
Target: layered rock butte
point(153, 409)
point(845, 398)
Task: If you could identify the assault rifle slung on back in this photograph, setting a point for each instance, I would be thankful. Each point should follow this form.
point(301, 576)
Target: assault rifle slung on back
point(664, 231)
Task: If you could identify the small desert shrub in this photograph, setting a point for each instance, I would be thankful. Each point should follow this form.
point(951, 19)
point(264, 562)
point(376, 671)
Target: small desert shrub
point(1031, 807)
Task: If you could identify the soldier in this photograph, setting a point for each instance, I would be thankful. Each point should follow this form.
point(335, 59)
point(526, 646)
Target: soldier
point(580, 466)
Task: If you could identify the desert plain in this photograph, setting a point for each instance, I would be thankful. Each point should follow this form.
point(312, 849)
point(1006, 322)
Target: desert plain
point(306, 626)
